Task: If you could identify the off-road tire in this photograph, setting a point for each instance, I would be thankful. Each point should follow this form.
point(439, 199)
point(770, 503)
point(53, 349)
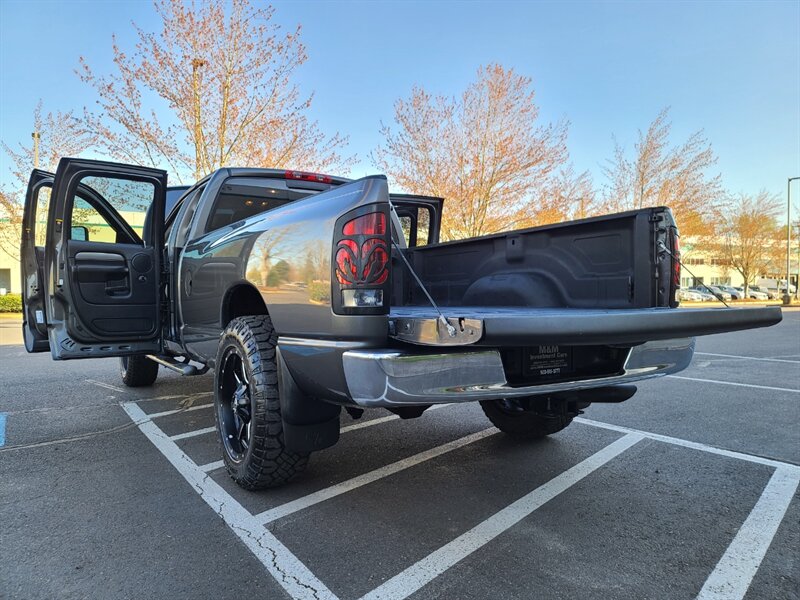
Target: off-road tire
point(137, 371)
point(537, 421)
point(266, 462)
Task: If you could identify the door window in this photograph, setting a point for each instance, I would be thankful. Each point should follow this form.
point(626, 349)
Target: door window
point(40, 220)
point(111, 210)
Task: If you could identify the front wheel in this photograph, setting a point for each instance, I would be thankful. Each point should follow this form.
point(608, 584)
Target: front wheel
point(247, 406)
point(138, 371)
point(529, 418)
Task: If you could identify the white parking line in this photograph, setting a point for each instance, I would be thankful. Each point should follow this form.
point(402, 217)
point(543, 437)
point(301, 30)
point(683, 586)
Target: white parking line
point(182, 397)
point(734, 572)
point(369, 477)
point(776, 464)
point(380, 420)
point(298, 581)
point(189, 434)
point(794, 362)
point(212, 466)
point(424, 571)
point(747, 385)
point(345, 429)
point(104, 385)
point(175, 411)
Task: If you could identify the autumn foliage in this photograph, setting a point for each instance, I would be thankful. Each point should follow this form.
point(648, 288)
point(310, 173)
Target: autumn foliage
point(214, 86)
point(484, 151)
point(61, 134)
point(749, 239)
point(661, 173)
point(220, 74)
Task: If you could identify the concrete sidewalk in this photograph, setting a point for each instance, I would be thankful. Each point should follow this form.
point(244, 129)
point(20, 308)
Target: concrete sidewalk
point(10, 329)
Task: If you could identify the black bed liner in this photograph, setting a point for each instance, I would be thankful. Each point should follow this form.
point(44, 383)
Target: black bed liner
point(514, 326)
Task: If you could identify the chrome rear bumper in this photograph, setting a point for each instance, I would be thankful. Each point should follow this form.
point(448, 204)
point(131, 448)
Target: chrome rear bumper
point(392, 378)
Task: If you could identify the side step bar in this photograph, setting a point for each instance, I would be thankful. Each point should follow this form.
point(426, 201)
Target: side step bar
point(184, 368)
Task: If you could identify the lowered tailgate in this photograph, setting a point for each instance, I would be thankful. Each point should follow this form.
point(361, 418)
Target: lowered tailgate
point(516, 326)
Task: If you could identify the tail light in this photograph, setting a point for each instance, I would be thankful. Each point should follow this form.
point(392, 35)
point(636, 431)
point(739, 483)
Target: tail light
point(675, 242)
point(361, 261)
point(303, 176)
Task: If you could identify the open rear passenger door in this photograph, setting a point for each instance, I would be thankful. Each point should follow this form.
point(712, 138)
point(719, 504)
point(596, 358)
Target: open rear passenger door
point(103, 259)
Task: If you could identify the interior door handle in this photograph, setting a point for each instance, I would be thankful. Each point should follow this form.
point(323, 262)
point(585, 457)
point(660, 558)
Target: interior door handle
point(99, 257)
point(101, 268)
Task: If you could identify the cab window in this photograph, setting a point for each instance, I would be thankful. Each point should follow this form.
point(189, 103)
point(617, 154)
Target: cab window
point(243, 197)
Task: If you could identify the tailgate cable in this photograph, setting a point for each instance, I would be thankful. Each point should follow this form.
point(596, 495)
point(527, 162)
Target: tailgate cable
point(442, 319)
point(663, 247)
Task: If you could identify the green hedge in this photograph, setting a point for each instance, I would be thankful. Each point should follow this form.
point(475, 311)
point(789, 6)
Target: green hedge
point(320, 291)
point(11, 303)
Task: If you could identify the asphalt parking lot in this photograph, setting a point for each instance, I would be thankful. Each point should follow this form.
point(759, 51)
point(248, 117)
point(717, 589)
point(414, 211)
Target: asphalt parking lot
point(687, 490)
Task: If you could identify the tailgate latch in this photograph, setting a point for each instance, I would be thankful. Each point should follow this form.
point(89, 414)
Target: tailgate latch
point(430, 331)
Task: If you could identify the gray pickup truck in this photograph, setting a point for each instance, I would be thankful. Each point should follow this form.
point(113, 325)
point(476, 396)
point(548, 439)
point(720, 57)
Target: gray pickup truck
point(307, 293)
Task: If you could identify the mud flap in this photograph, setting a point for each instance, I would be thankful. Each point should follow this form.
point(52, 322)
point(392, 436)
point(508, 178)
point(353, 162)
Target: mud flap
point(308, 424)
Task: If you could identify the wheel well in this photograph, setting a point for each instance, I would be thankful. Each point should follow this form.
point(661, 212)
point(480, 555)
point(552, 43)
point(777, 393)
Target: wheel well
point(242, 300)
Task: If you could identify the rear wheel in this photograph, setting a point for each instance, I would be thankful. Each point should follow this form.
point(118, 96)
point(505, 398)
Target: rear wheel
point(137, 371)
point(530, 418)
point(247, 406)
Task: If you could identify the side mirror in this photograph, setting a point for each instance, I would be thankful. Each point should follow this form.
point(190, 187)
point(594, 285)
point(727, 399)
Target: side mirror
point(79, 233)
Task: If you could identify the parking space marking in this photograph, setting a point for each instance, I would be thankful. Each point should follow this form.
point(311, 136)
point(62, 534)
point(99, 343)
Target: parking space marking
point(196, 432)
point(775, 464)
point(182, 397)
point(105, 385)
point(2, 429)
point(369, 423)
point(212, 466)
point(747, 385)
point(780, 360)
point(380, 420)
point(356, 482)
point(345, 429)
point(730, 579)
point(734, 572)
point(424, 571)
point(175, 411)
point(298, 581)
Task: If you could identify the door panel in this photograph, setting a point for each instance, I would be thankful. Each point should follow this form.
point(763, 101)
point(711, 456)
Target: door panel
point(116, 288)
point(34, 220)
point(103, 293)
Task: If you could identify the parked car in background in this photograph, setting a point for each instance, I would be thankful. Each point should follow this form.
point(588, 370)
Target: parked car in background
point(776, 287)
point(720, 293)
point(754, 294)
point(736, 293)
point(704, 294)
point(689, 296)
point(772, 294)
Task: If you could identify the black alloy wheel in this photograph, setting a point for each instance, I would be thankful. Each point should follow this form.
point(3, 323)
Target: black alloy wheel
point(247, 406)
point(235, 414)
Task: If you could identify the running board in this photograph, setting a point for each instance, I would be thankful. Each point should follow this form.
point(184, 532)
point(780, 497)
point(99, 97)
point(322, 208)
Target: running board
point(184, 368)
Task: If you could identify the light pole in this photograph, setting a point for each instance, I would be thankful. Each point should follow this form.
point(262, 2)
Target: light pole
point(36, 136)
point(787, 298)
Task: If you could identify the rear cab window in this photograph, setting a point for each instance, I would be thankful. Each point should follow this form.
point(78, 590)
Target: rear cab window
point(242, 197)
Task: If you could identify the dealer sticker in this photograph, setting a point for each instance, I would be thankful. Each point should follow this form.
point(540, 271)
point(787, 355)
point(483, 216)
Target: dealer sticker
point(549, 361)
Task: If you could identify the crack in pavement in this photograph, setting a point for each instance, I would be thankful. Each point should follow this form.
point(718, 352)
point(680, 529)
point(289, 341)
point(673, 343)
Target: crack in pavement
point(284, 567)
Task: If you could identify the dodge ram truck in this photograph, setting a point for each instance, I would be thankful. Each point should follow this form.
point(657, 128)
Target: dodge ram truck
point(308, 293)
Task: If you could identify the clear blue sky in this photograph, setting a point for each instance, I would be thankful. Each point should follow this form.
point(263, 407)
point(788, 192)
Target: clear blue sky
point(730, 68)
